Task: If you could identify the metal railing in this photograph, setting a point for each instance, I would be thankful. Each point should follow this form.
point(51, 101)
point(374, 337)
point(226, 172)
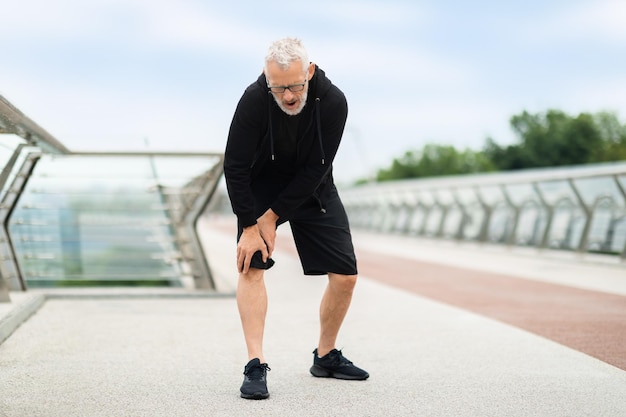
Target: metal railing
point(16, 160)
point(114, 218)
point(15, 122)
point(581, 208)
point(99, 218)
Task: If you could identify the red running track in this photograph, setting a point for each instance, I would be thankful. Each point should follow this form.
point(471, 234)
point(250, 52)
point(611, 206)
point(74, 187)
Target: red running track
point(589, 321)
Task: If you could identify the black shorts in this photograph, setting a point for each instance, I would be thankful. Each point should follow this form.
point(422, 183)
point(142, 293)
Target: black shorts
point(321, 233)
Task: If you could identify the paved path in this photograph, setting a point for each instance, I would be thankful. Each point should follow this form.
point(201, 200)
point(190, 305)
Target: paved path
point(576, 302)
point(183, 356)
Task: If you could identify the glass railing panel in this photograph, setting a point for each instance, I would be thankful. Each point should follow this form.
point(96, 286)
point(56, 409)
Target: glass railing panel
point(10, 142)
point(426, 197)
point(103, 219)
point(501, 223)
point(444, 197)
point(530, 224)
point(602, 221)
point(622, 180)
point(466, 196)
point(592, 189)
point(566, 225)
point(520, 194)
point(491, 194)
point(617, 243)
point(417, 219)
point(452, 223)
point(433, 221)
point(8, 145)
point(554, 192)
point(476, 214)
point(94, 168)
point(396, 212)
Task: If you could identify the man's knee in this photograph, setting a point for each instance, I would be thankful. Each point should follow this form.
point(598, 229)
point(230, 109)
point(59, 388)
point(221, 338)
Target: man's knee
point(254, 275)
point(343, 282)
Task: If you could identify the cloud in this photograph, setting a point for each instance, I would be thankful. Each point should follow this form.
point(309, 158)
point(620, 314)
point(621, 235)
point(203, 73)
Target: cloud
point(603, 20)
point(374, 13)
point(132, 24)
point(381, 68)
point(598, 95)
point(108, 73)
point(598, 19)
point(60, 19)
point(190, 26)
point(97, 117)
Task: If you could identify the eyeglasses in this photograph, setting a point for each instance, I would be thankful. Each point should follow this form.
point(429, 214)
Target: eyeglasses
point(294, 88)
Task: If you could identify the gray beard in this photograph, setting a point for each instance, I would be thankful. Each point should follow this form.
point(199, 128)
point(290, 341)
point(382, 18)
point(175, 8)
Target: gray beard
point(298, 109)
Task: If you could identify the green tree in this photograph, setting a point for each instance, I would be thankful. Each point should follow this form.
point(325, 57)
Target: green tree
point(435, 160)
point(554, 138)
point(613, 147)
point(548, 139)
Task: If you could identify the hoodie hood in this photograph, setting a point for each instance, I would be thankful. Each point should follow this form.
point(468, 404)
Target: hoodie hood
point(248, 164)
point(318, 88)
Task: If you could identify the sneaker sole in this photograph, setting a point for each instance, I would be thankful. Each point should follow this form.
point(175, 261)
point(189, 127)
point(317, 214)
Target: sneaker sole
point(320, 372)
point(256, 396)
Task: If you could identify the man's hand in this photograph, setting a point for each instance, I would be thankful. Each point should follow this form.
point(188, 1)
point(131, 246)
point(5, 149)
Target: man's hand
point(267, 228)
point(258, 237)
point(250, 242)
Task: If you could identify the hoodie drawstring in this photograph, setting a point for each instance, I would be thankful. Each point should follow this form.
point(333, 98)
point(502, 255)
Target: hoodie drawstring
point(269, 112)
point(319, 128)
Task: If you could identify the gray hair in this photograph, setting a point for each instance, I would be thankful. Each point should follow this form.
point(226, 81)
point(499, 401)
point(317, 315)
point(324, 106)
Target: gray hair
point(285, 51)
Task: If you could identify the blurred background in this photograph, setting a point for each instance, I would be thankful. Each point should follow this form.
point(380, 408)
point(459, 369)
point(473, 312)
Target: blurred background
point(166, 75)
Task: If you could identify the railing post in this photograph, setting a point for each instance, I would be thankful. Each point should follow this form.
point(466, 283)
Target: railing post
point(582, 244)
point(4, 245)
point(483, 234)
point(10, 267)
point(6, 252)
point(516, 214)
point(459, 235)
point(427, 211)
point(622, 190)
point(549, 216)
point(409, 208)
point(442, 220)
point(199, 206)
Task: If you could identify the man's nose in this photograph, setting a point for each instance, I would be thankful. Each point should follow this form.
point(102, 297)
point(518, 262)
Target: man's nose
point(288, 94)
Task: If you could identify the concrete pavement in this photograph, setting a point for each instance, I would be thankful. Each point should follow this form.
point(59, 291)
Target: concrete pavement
point(179, 355)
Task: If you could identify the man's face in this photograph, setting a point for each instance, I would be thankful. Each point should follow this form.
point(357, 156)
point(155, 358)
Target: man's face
point(295, 77)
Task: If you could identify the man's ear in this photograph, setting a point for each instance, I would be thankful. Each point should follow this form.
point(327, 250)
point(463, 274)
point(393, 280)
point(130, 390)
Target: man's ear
point(311, 70)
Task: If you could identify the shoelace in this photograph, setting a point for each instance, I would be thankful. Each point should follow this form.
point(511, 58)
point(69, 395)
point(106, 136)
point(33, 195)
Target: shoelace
point(257, 372)
point(337, 358)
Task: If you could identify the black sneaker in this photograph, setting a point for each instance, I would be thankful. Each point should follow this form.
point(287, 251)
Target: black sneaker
point(254, 385)
point(335, 365)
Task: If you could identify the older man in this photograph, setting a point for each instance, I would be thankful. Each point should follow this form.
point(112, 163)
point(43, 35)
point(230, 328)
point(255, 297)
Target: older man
point(278, 167)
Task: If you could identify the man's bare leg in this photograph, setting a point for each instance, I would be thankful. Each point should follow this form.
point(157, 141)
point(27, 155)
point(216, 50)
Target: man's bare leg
point(252, 304)
point(333, 309)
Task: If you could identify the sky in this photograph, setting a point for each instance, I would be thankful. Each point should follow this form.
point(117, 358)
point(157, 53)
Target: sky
point(136, 75)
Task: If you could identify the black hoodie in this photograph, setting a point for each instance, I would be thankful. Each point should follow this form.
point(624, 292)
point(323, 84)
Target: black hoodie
point(250, 146)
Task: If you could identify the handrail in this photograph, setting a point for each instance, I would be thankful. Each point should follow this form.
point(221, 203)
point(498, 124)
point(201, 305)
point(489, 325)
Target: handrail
point(563, 201)
point(494, 178)
point(14, 121)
